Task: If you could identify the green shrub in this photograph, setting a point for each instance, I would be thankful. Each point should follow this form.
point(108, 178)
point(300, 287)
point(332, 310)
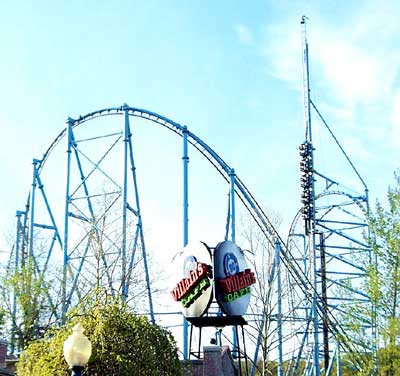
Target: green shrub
point(122, 342)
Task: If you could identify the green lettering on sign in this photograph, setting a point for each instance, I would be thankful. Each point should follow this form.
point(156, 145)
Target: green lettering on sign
point(188, 300)
point(236, 294)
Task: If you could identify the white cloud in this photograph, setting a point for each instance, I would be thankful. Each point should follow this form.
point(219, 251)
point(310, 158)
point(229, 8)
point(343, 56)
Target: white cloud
point(355, 80)
point(282, 50)
point(395, 117)
point(343, 114)
point(353, 67)
point(350, 72)
point(344, 66)
point(244, 34)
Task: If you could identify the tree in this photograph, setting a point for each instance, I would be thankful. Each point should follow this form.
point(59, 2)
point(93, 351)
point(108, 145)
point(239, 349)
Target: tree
point(260, 255)
point(383, 288)
point(385, 227)
point(2, 319)
point(35, 282)
point(32, 317)
point(122, 342)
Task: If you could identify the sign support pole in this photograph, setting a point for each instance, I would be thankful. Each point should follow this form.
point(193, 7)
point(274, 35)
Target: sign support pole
point(233, 234)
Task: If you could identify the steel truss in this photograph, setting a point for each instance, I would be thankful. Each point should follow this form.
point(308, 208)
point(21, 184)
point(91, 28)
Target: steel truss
point(93, 247)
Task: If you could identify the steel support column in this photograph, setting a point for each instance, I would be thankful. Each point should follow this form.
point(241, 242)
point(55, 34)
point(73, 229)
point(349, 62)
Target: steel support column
point(232, 177)
point(32, 209)
point(16, 271)
point(124, 208)
point(185, 160)
point(138, 214)
point(325, 327)
point(314, 309)
point(65, 303)
point(279, 316)
point(338, 362)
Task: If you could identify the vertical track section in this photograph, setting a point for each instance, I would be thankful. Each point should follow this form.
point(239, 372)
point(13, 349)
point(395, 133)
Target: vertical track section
point(310, 222)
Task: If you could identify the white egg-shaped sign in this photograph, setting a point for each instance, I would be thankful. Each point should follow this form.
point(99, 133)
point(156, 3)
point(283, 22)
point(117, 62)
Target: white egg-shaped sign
point(233, 279)
point(194, 282)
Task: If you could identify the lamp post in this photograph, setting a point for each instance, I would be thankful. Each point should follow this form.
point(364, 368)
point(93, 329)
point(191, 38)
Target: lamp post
point(77, 350)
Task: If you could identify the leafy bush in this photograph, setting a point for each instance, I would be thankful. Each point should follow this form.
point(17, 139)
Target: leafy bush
point(122, 343)
point(3, 314)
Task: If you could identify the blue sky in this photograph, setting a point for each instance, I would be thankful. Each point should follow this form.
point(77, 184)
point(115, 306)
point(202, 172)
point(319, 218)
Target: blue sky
point(230, 70)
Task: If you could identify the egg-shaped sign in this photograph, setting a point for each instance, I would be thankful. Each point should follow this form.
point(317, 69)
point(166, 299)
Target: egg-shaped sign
point(232, 279)
point(194, 286)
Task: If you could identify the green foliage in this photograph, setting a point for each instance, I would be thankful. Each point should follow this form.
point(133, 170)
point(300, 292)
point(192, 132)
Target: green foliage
point(3, 315)
point(385, 227)
point(122, 342)
point(383, 287)
point(30, 292)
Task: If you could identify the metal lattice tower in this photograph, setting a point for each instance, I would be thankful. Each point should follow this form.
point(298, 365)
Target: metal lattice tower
point(334, 252)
